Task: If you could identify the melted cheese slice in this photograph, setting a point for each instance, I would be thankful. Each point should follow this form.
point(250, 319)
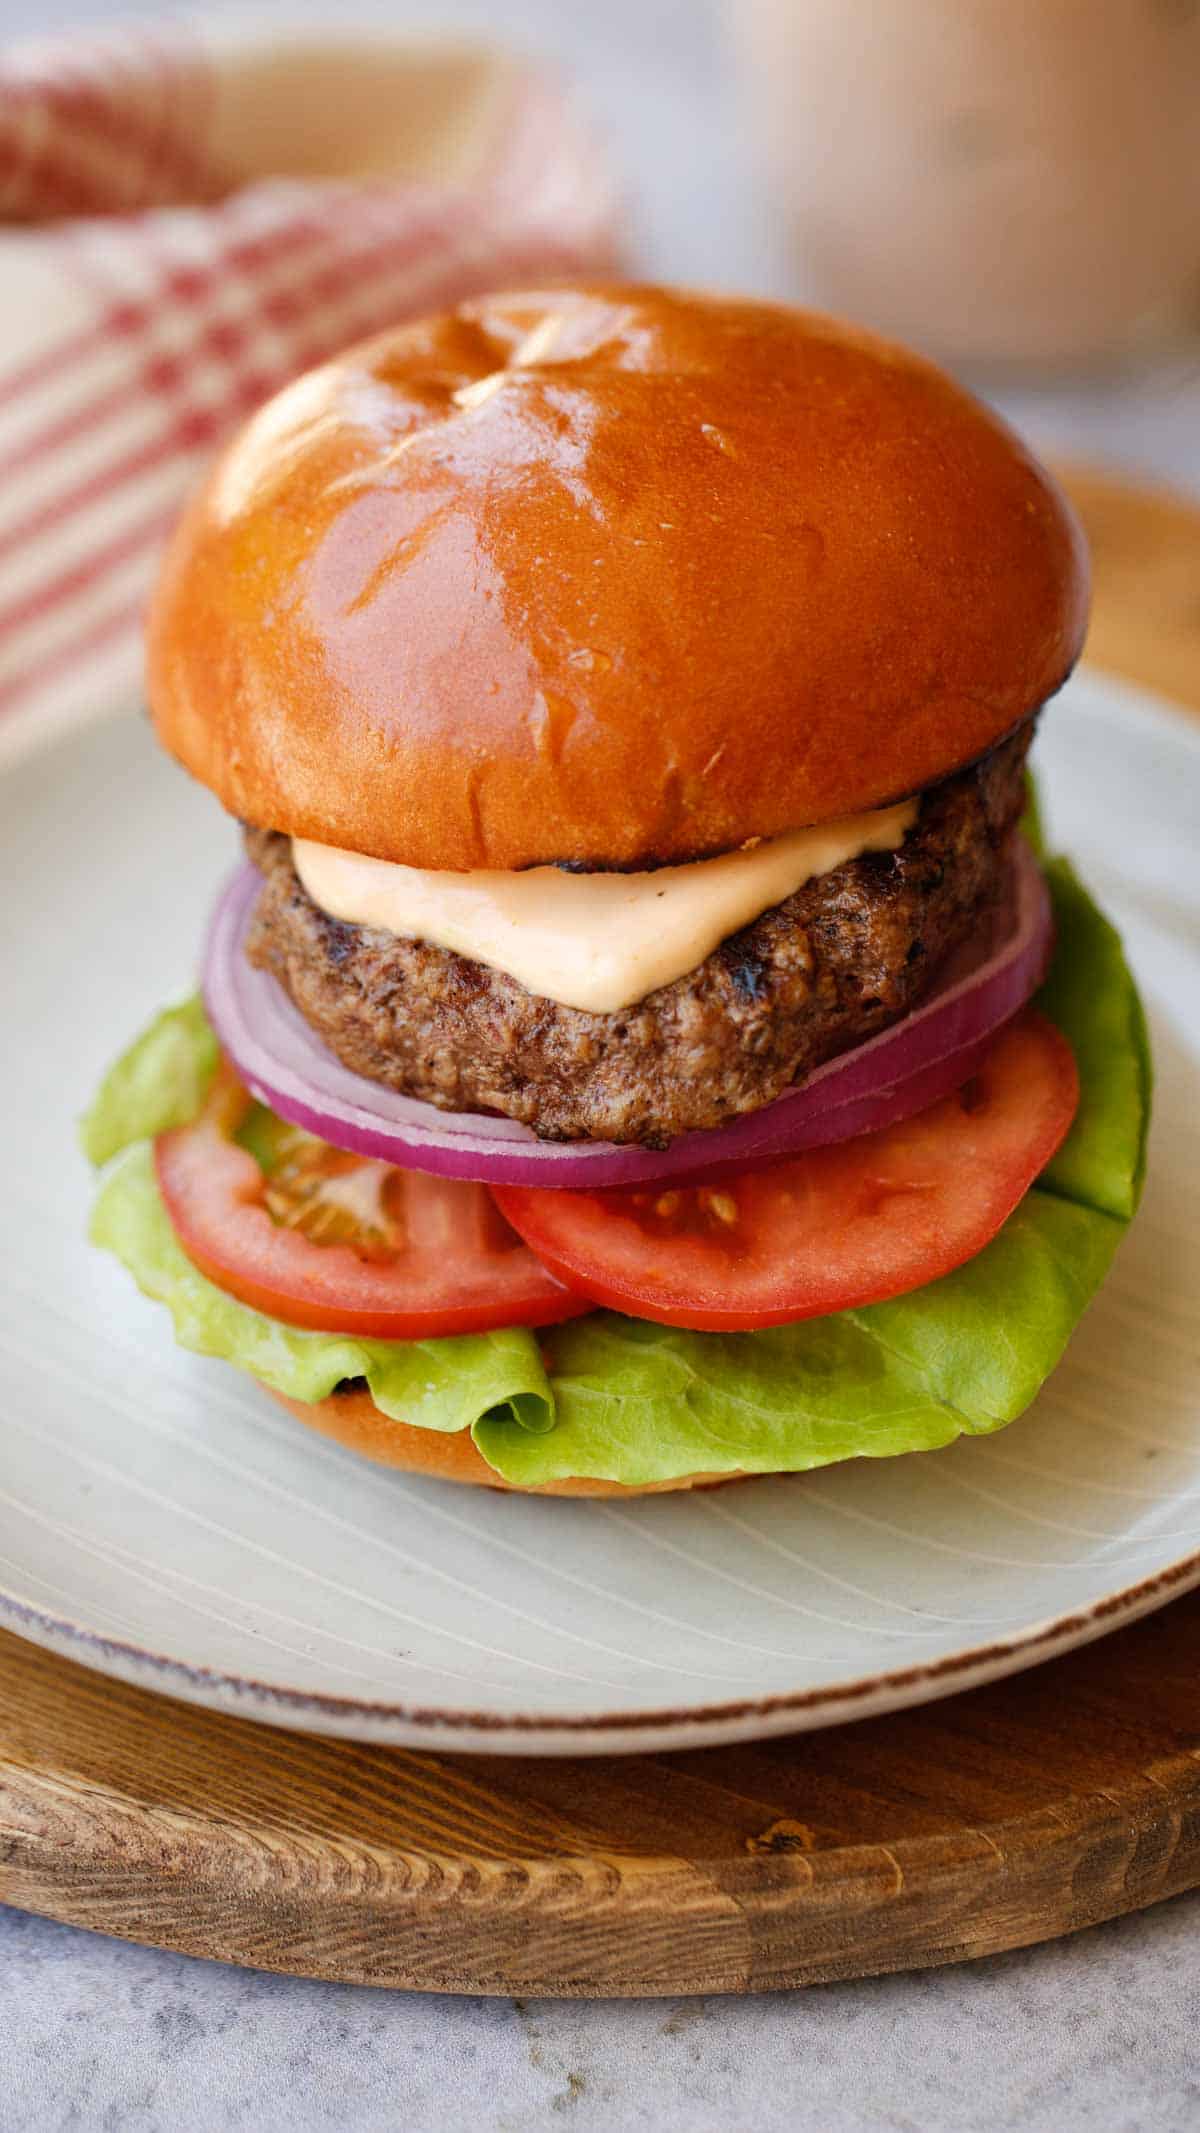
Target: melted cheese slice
point(595, 941)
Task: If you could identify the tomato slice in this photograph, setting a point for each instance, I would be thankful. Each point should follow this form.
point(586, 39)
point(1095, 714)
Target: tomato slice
point(344, 1244)
point(834, 1227)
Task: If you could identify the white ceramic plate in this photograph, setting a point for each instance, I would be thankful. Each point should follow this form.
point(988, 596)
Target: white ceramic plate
point(163, 1521)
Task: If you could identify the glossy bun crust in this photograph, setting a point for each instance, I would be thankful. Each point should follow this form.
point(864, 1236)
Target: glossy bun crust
point(352, 1418)
point(610, 575)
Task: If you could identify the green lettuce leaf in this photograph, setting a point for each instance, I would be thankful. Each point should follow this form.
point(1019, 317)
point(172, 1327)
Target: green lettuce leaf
point(627, 1401)
point(1093, 999)
point(443, 1385)
point(159, 1082)
point(641, 1403)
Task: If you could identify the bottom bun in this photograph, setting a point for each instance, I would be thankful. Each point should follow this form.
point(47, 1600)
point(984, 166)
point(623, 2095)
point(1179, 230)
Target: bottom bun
point(353, 1419)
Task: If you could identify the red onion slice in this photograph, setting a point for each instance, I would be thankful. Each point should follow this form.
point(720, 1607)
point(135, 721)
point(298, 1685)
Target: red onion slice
point(902, 1070)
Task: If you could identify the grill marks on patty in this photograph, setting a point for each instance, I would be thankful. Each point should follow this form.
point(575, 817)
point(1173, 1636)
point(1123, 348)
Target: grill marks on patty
point(839, 960)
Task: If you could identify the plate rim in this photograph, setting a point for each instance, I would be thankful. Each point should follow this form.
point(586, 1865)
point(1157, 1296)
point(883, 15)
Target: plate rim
point(241, 1695)
point(410, 1724)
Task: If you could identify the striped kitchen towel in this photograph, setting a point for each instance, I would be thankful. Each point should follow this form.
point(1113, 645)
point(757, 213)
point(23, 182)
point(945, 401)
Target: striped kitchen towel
point(186, 221)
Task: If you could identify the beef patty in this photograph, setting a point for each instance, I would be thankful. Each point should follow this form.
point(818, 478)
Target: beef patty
point(847, 954)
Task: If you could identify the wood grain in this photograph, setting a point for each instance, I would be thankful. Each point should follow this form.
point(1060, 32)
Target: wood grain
point(988, 1821)
point(998, 1818)
point(1145, 547)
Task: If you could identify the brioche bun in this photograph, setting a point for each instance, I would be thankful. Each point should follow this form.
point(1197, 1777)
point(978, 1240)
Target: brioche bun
point(352, 1419)
point(612, 576)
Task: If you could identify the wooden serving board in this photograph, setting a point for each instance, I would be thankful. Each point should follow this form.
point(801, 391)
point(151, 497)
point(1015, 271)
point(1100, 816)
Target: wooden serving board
point(1009, 1815)
point(993, 1819)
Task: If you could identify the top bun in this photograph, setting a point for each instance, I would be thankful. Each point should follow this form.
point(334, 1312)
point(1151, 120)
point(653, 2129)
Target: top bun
point(608, 575)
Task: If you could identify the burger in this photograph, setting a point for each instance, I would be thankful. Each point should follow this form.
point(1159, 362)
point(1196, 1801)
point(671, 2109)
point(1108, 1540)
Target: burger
point(645, 1041)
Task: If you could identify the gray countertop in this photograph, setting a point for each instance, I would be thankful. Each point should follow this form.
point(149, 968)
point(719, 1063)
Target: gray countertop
point(1097, 2032)
point(1091, 2035)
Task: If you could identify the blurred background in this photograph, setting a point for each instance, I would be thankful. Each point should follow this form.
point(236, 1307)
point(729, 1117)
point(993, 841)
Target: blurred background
point(1006, 182)
point(1011, 185)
